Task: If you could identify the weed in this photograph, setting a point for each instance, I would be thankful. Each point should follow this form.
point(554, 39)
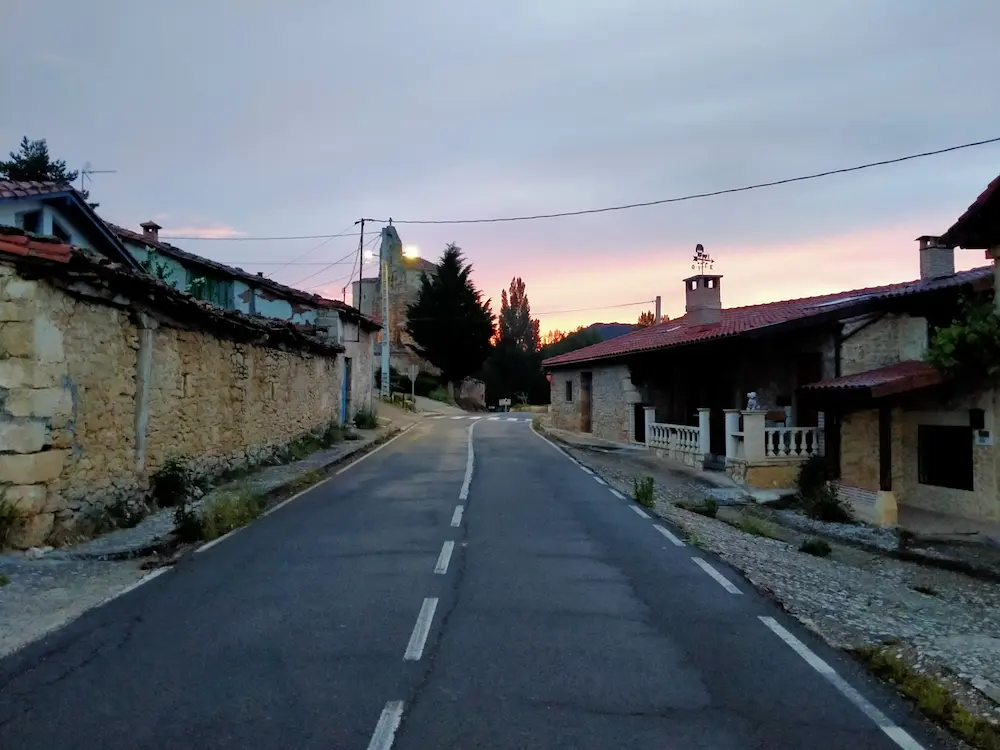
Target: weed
point(817, 498)
point(228, 512)
point(707, 507)
point(814, 546)
point(642, 489)
point(932, 698)
point(695, 541)
point(4, 580)
point(306, 479)
point(536, 423)
point(439, 394)
point(756, 526)
point(10, 517)
point(906, 539)
point(172, 483)
point(121, 514)
point(366, 419)
point(924, 589)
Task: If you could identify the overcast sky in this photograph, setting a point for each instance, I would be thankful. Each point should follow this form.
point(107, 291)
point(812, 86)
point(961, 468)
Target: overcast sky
point(264, 118)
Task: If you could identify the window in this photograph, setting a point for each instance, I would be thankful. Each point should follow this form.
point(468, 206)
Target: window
point(58, 231)
point(944, 456)
point(31, 221)
point(569, 390)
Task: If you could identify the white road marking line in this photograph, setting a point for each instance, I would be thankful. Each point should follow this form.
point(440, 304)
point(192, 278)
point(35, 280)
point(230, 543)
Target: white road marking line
point(338, 472)
point(415, 648)
point(470, 465)
point(586, 469)
point(494, 419)
point(617, 494)
point(673, 539)
point(475, 418)
point(719, 578)
point(439, 416)
point(458, 417)
point(599, 480)
point(513, 419)
point(456, 517)
point(388, 723)
point(444, 558)
point(133, 586)
point(894, 732)
point(639, 511)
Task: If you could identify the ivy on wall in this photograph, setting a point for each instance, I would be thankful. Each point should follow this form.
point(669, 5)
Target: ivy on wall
point(970, 346)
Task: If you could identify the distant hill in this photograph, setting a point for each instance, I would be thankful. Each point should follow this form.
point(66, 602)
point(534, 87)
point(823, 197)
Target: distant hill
point(595, 333)
point(611, 330)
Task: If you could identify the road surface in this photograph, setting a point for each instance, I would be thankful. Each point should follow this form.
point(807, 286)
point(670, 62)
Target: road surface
point(466, 586)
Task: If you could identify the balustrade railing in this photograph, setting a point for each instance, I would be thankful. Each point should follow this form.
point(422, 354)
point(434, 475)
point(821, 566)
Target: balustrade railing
point(791, 442)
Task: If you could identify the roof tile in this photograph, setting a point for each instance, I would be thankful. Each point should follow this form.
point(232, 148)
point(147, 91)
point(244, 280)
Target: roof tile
point(28, 188)
point(883, 381)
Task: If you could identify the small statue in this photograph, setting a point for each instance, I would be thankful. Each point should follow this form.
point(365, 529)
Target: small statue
point(752, 401)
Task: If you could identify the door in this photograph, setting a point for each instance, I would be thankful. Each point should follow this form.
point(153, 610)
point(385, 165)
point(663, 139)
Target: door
point(345, 396)
point(586, 386)
point(639, 433)
point(808, 369)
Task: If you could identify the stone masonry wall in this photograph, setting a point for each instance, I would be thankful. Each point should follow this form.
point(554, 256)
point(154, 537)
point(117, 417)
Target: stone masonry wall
point(83, 424)
point(612, 399)
point(859, 449)
point(892, 339)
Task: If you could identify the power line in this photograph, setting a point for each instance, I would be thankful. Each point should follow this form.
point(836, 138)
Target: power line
point(589, 309)
point(331, 265)
point(694, 196)
point(264, 239)
point(317, 247)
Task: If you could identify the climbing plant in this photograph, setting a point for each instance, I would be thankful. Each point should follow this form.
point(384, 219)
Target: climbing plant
point(970, 346)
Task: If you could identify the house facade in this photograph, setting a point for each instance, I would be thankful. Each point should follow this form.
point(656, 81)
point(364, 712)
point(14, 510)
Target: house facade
point(757, 391)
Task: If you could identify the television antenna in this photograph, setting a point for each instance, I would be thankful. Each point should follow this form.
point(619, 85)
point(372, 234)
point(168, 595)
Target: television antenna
point(88, 170)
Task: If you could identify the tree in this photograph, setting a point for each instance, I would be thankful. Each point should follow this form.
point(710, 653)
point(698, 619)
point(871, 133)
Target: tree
point(517, 328)
point(572, 341)
point(450, 323)
point(33, 163)
point(646, 318)
point(514, 369)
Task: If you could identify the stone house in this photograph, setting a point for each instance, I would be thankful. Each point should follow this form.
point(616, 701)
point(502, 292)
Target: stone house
point(839, 375)
point(105, 374)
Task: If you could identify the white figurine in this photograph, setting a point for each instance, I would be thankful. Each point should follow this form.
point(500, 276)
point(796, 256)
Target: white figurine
point(752, 401)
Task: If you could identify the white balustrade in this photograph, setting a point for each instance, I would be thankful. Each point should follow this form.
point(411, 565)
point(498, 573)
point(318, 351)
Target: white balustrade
point(791, 442)
point(677, 439)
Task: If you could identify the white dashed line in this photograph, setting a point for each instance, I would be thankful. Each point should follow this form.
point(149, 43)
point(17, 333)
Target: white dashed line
point(513, 419)
point(617, 494)
point(456, 517)
point(475, 418)
point(639, 511)
point(895, 733)
point(673, 539)
point(719, 578)
point(388, 723)
point(494, 419)
point(444, 558)
point(458, 417)
point(599, 480)
point(586, 469)
point(439, 416)
point(415, 648)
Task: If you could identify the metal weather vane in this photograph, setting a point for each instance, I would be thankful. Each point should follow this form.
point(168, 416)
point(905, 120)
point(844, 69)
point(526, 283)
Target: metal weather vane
point(702, 260)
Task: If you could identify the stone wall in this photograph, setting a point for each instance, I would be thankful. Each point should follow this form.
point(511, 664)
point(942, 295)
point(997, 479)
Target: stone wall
point(612, 401)
point(95, 396)
point(886, 341)
point(859, 455)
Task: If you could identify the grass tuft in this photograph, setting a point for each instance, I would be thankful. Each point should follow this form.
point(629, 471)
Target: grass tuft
point(815, 546)
point(707, 507)
point(642, 489)
point(226, 513)
point(10, 517)
point(4, 579)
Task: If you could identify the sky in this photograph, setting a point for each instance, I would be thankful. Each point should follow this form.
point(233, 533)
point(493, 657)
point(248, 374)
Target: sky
point(253, 118)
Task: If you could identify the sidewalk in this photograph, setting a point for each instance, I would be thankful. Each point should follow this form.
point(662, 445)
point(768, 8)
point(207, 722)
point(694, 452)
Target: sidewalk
point(47, 591)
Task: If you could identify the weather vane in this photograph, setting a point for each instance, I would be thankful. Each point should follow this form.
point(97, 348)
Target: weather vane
point(701, 259)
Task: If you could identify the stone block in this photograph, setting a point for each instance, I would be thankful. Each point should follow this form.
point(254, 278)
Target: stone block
point(21, 436)
point(17, 339)
point(32, 531)
point(20, 289)
point(28, 499)
point(32, 468)
point(13, 311)
point(47, 374)
point(48, 341)
point(47, 403)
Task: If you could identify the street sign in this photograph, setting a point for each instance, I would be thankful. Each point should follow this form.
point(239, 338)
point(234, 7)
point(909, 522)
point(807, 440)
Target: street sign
point(504, 402)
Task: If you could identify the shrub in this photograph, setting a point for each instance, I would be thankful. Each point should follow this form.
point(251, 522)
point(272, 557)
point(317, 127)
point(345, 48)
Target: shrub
point(825, 505)
point(366, 419)
point(813, 476)
point(814, 546)
point(439, 394)
point(536, 423)
point(172, 483)
point(10, 517)
point(228, 512)
point(4, 580)
point(643, 491)
point(121, 514)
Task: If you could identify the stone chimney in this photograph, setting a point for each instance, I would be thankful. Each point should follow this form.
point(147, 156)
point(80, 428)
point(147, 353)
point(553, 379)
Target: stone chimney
point(702, 299)
point(151, 231)
point(936, 258)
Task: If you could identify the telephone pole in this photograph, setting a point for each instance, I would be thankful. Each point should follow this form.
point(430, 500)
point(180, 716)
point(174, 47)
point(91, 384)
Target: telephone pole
point(384, 257)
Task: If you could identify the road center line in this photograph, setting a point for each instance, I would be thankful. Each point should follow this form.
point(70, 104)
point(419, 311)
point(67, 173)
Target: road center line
point(673, 539)
point(719, 578)
point(470, 465)
point(456, 517)
point(617, 494)
point(388, 723)
point(894, 732)
point(639, 511)
point(415, 648)
point(444, 558)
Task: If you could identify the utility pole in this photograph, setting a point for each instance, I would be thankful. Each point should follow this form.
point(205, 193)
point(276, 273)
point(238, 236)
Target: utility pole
point(385, 250)
point(361, 242)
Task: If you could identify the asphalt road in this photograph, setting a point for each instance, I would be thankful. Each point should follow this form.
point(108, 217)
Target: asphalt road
point(559, 618)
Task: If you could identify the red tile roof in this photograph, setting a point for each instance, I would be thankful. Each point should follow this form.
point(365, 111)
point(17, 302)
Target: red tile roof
point(982, 218)
point(884, 381)
point(19, 244)
point(29, 188)
point(740, 320)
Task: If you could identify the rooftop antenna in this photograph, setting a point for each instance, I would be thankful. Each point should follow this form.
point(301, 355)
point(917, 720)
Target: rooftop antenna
point(702, 259)
point(88, 170)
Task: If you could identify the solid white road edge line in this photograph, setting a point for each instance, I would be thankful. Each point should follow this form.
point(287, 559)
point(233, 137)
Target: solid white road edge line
point(369, 454)
point(444, 558)
point(456, 517)
point(586, 469)
point(599, 480)
point(470, 465)
point(719, 578)
point(415, 648)
point(895, 732)
point(388, 723)
point(617, 494)
point(639, 511)
point(673, 539)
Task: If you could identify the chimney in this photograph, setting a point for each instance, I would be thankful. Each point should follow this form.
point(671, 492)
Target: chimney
point(936, 258)
point(702, 300)
point(656, 315)
point(151, 231)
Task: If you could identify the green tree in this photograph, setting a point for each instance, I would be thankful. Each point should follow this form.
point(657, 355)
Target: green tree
point(514, 369)
point(33, 163)
point(450, 323)
point(646, 318)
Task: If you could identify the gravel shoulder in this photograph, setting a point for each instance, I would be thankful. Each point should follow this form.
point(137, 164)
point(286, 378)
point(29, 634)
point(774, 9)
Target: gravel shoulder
point(944, 624)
